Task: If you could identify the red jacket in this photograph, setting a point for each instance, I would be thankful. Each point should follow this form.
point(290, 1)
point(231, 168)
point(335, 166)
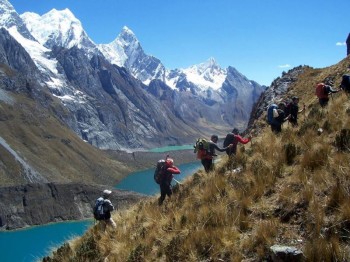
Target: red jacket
point(234, 140)
point(168, 174)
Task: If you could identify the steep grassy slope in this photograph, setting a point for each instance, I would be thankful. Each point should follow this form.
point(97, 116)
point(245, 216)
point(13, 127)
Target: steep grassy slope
point(48, 148)
point(294, 190)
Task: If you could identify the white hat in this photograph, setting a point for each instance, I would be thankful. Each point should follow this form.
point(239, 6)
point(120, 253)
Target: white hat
point(107, 192)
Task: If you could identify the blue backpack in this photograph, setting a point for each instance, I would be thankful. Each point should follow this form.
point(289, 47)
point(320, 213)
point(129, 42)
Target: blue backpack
point(270, 113)
point(98, 211)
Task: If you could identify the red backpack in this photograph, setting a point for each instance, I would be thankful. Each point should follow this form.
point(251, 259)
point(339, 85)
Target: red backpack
point(320, 91)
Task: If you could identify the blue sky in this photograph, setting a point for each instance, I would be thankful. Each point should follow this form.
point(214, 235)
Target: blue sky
point(260, 38)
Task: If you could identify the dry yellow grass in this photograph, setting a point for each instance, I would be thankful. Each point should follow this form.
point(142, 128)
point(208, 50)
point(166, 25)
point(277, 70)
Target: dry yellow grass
point(294, 190)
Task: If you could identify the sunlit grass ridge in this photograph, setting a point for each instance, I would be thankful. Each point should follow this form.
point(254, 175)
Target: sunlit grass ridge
point(294, 190)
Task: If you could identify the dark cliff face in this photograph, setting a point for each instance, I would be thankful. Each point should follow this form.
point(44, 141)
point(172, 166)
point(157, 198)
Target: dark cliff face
point(38, 204)
point(129, 116)
point(13, 54)
point(19, 73)
point(197, 113)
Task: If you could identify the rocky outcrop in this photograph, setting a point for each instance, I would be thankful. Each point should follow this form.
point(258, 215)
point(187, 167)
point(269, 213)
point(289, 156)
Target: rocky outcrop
point(38, 204)
point(274, 93)
point(279, 253)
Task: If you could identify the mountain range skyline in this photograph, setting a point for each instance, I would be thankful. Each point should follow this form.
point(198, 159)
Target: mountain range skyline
point(62, 28)
point(260, 39)
point(197, 101)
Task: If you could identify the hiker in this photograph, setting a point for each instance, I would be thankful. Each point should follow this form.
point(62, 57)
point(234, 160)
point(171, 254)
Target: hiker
point(323, 91)
point(207, 159)
point(103, 213)
point(292, 109)
point(166, 178)
point(345, 83)
point(276, 116)
point(234, 138)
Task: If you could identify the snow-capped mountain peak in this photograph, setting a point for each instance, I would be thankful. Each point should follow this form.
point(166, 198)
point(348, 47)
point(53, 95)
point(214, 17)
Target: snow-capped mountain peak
point(7, 11)
point(57, 27)
point(209, 65)
point(10, 18)
point(206, 75)
point(127, 36)
point(126, 51)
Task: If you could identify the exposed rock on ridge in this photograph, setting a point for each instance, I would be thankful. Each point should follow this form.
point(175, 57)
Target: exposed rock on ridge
point(38, 204)
point(275, 92)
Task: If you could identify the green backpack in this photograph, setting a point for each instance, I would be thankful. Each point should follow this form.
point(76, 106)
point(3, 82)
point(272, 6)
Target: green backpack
point(201, 148)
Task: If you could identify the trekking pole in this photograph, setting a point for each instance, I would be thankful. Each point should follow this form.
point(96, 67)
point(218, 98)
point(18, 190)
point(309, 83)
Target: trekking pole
point(177, 181)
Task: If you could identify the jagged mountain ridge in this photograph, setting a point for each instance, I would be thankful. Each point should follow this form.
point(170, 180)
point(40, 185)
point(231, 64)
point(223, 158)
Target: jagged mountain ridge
point(92, 127)
point(126, 51)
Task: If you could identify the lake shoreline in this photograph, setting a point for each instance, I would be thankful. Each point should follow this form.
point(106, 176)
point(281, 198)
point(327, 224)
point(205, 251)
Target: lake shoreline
point(140, 160)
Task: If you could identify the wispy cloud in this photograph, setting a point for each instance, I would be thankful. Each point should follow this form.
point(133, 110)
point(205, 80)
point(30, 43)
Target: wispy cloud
point(284, 66)
point(340, 43)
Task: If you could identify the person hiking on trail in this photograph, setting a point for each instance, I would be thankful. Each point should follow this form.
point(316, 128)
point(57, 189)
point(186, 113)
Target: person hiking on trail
point(234, 138)
point(276, 117)
point(107, 206)
point(166, 178)
point(292, 109)
point(345, 83)
point(323, 91)
point(207, 160)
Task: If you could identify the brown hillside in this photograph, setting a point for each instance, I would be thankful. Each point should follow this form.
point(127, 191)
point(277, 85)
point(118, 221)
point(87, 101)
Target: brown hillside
point(48, 147)
point(294, 190)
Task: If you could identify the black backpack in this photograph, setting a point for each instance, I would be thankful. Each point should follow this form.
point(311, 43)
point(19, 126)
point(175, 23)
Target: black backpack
point(288, 108)
point(345, 83)
point(98, 211)
point(159, 172)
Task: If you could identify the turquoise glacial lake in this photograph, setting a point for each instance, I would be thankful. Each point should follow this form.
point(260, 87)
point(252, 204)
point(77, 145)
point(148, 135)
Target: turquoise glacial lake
point(170, 148)
point(36, 242)
point(28, 245)
point(142, 181)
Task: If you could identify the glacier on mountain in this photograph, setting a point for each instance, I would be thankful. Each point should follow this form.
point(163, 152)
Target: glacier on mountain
point(203, 94)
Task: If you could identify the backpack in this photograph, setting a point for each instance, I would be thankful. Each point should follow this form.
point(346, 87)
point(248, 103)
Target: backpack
point(98, 211)
point(201, 148)
point(321, 90)
point(345, 83)
point(281, 116)
point(270, 113)
point(288, 108)
point(230, 139)
point(159, 172)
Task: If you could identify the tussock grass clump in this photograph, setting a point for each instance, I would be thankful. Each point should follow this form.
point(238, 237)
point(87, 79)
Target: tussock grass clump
point(310, 124)
point(60, 254)
point(342, 140)
point(262, 238)
point(316, 156)
point(321, 249)
point(291, 152)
